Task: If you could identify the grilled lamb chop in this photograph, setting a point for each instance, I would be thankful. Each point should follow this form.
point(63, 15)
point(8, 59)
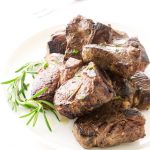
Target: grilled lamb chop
point(124, 89)
point(135, 43)
point(48, 77)
point(82, 31)
point(58, 43)
point(133, 92)
point(109, 126)
point(142, 96)
point(56, 74)
point(86, 91)
point(79, 32)
point(123, 59)
point(105, 34)
point(69, 69)
point(55, 59)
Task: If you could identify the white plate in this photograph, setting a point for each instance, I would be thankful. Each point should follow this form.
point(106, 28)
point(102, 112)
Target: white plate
point(35, 48)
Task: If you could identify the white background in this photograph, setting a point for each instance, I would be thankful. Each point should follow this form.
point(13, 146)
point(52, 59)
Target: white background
point(19, 19)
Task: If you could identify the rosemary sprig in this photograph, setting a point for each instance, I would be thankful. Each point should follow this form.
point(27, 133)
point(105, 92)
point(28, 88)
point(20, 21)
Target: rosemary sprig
point(75, 51)
point(17, 94)
point(117, 98)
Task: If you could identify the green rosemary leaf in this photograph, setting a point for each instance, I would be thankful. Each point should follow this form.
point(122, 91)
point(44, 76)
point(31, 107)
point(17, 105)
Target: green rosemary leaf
point(33, 76)
point(32, 72)
point(75, 51)
point(35, 119)
point(23, 67)
point(33, 115)
point(39, 93)
point(14, 106)
point(22, 91)
point(47, 103)
point(118, 98)
point(29, 105)
point(36, 64)
point(46, 121)
point(28, 114)
point(9, 81)
point(45, 65)
point(54, 112)
point(25, 86)
point(17, 94)
point(90, 68)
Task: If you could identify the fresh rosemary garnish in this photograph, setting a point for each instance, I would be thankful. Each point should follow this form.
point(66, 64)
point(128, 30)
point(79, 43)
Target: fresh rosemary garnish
point(75, 51)
point(117, 98)
point(17, 93)
point(90, 68)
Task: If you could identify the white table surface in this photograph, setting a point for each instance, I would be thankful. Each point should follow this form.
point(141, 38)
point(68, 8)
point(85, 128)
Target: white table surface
point(19, 19)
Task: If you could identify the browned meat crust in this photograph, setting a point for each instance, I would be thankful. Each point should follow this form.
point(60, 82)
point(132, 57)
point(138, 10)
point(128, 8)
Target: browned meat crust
point(135, 43)
point(125, 90)
point(56, 74)
point(71, 66)
point(142, 96)
point(48, 77)
point(57, 44)
point(86, 91)
point(105, 34)
point(109, 126)
point(79, 32)
point(124, 59)
point(133, 92)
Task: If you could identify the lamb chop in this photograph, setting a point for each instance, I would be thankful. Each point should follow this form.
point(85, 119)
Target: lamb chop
point(48, 77)
point(69, 69)
point(135, 43)
point(56, 74)
point(125, 90)
point(108, 126)
point(142, 96)
point(86, 91)
point(82, 31)
point(58, 43)
point(124, 59)
point(132, 92)
point(79, 32)
point(106, 34)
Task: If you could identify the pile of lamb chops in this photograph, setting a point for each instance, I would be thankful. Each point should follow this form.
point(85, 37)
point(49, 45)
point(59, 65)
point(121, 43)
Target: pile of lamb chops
point(96, 73)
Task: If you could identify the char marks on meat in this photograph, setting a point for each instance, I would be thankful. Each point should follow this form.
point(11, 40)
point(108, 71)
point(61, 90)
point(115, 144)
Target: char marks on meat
point(79, 32)
point(142, 96)
point(48, 77)
point(69, 69)
point(98, 79)
point(132, 92)
point(122, 86)
point(82, 31)
point(109, 126)
point(86, 91)
point(135, 43)
point(123, 59)
point(56, 74)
